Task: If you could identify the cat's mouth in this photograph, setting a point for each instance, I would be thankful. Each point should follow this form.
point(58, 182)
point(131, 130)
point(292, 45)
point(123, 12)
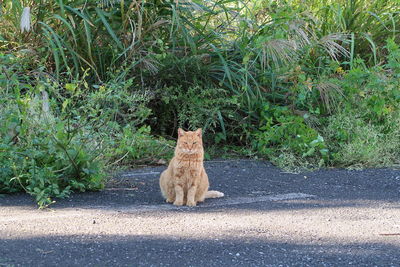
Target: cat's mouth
point(188, 151)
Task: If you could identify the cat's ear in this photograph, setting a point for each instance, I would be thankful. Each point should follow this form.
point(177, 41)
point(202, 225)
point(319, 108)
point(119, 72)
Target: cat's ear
point(180, 132)
point(198, 132)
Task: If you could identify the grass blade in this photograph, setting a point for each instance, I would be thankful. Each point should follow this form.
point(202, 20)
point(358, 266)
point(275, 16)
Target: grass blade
point(109, 29)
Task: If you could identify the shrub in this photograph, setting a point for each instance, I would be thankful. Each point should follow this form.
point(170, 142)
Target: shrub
point(196, 107)
point(280, 131)
point(365, 131)
point(355, 142)
point(44, 155)
point(57, 138)
point(137, 146)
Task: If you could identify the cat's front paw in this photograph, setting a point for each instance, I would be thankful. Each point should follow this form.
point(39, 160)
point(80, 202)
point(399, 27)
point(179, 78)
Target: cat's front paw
point(178, 203)
point(191, 203)
point(168, 200)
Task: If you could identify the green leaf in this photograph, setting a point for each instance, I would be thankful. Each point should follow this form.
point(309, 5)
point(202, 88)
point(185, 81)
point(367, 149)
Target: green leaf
point(65, 104)
point(71, 87)
point(109, 29)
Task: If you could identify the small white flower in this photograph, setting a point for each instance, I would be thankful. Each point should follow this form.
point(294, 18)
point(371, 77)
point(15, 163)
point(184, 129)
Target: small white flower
point(26, 19)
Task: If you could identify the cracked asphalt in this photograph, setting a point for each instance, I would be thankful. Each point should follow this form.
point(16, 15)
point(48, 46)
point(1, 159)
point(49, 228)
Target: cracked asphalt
point(268, 217)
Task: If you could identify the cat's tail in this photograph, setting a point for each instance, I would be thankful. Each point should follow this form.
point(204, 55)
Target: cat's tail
point(214, 194)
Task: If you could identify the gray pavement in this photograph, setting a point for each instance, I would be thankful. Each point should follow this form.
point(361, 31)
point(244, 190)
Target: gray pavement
point(267, 218)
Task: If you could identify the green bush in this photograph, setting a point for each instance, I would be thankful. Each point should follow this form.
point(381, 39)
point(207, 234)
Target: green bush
point(355, 142)
point(57, 138)
point(137, 146)
point(281, 132)
point(43, 155)
point(196, 107)
point(365, 132)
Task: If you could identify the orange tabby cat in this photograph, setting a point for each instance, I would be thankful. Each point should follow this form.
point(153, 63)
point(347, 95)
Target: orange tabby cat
point(186, 181)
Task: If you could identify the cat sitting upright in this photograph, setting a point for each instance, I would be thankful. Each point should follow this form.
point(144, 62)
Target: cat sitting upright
point(185, 181)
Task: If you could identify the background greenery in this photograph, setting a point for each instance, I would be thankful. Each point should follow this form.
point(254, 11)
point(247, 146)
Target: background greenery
point(100, 84)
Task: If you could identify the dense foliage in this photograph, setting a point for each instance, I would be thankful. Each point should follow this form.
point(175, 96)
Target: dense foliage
point(89, 85)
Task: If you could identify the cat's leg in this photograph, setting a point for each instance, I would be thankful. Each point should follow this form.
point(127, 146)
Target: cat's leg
point(179, 194)
point(171, 192)
point(163, 184)
point(193, 184)
point(191, 196)
point(202, 187)
point(167, 186)
point(170, 199)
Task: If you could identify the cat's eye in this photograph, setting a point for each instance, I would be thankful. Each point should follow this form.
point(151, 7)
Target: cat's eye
point(185, 143)
point(194, 143)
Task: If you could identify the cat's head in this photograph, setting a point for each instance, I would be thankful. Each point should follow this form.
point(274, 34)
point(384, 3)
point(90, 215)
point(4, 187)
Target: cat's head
point(190, 142)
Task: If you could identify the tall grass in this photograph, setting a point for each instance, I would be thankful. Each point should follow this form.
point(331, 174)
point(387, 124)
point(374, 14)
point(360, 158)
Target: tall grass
point(371, 22)
point(256, 49)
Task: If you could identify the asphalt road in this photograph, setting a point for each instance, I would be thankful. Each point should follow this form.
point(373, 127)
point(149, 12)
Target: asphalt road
point(267, 218)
